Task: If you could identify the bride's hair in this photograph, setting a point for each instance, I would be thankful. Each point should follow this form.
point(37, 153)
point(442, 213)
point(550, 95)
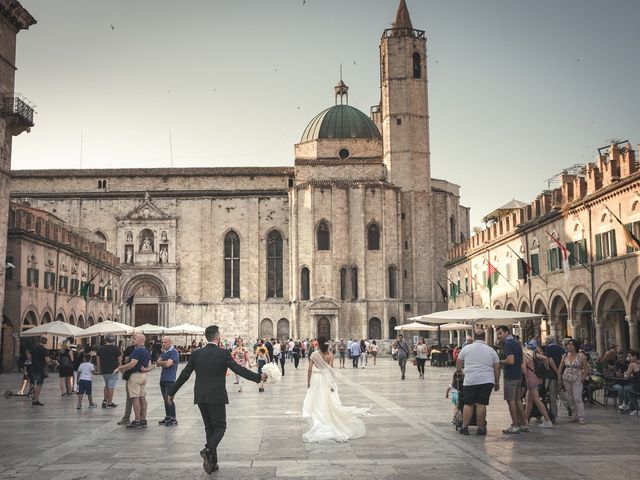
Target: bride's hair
point(323, 345)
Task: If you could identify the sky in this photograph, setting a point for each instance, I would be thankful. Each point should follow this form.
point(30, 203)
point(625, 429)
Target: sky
point(518, 89)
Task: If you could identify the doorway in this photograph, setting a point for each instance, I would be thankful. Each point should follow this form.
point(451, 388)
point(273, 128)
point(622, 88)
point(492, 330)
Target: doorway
point(146, 313)
point(324, 328)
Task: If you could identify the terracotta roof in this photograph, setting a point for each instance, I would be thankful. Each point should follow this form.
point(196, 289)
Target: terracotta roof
point(340, 161)
point(356, 183)
point(159, 172)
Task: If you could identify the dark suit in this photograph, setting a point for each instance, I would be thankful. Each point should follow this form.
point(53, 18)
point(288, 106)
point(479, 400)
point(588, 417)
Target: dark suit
point(210, 364)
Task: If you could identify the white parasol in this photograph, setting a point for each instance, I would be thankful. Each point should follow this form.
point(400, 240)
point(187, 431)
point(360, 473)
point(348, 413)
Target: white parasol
point(149, 329)
point(484, 316)
point(185, 329)
point(416, 327)
point(105, 328)
point(56, 329)
point(455, 326)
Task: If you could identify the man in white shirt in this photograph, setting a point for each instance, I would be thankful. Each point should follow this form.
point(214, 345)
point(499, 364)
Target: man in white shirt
point(481, 376)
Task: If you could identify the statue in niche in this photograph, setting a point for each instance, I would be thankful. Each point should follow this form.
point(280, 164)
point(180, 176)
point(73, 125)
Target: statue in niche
point(146, 245)
point(129, 237)
point(129, 255)
point(164, 256)
point(163, 237)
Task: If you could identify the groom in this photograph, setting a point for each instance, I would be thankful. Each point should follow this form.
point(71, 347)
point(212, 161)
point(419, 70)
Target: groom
point(210, 364)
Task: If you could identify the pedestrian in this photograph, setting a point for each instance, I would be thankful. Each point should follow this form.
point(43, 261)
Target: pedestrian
point(85, 380)
point(282, 357)
point(632, 374)
point(554, 352)
point(139, 364)
point(241, 356)
point(422, 354)
point(534, 382)
point(27, 371)
point(262, 356)
point(513, 371)
point(39, 361)
point(364, 352)
point(275, 351)
point(211, 364)
point(481, 377)
point(65, 364)
point(403, 353)
point(126, 418)
point(571, 375)
point(373, 351)
point(354, 350)
point(295, 353)
point(168, 361)
point(342, 352)
point(108, 358)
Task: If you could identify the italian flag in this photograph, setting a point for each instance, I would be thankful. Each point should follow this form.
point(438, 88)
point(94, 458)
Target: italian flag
point(492, 276)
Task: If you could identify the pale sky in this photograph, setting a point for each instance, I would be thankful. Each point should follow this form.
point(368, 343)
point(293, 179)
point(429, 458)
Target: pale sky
point(518, 89)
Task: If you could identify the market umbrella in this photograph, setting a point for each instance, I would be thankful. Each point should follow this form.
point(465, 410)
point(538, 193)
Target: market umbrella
point(149, 329)
point(56, 329)
point(416, 327)
point(185, 329)
point(105, 328)
point(485, 316)
point(455, 326)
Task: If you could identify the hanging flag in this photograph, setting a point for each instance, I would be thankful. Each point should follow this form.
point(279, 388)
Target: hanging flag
point(629, 238)
point(130, 302)
point(564, 252)
point(526, 270)
point(492, 276)
point(454, 291)
point(443, 291)
point(84, 291)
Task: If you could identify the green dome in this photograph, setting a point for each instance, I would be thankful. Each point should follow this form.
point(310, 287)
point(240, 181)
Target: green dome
point(340, 121)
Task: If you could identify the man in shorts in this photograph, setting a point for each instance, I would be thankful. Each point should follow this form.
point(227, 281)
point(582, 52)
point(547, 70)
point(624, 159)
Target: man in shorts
point(481, 376)
point(108, 358)
point(139, 365)
point(39, 361)
point(513, 374)
point(342, 352)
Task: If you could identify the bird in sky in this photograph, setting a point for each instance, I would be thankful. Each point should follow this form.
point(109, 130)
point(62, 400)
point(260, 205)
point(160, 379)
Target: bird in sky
point(113, 28)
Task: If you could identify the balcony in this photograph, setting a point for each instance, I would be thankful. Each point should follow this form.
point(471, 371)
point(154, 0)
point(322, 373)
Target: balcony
point(18, 113)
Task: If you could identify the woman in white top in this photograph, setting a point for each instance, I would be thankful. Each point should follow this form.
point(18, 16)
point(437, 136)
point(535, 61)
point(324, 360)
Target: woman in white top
point(329, 419)
point(422, 353)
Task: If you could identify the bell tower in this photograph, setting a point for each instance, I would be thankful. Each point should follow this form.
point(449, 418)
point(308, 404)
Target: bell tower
point(405, 117)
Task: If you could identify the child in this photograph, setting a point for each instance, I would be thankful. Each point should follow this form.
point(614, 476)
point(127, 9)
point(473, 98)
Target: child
point(456, 393)
point(85, 372)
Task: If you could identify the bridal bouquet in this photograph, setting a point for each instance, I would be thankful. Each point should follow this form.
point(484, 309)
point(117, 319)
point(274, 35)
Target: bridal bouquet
point(272, 371)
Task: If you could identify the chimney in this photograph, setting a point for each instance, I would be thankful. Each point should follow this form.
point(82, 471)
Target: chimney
point(594, 178)
point(610, 166)
point(627, 161)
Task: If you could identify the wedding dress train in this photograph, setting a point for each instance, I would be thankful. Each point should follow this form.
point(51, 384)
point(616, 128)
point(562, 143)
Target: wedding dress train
point(329, 419)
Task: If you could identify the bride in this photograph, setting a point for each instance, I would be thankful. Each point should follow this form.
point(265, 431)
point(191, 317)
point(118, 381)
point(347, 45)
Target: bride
point(329, 419)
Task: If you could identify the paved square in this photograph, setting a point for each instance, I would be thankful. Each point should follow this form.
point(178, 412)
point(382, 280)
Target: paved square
point(408, 436)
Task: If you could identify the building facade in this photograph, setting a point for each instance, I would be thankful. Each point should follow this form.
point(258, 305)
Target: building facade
point(595, 292)
point(54, 273)
point(347, 242)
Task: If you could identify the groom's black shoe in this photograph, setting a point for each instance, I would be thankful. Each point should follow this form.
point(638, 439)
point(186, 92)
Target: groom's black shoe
point(207, 462)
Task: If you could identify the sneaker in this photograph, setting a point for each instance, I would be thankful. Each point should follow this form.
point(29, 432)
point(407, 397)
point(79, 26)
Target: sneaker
point(524, 428)
point(104, 404)
point(402, 377)
point(93, 405)
point(143, 424)
point(635, 413)
point(171, 423)
point(464, 430)
point(624, 407)
point(111, 405)
point(511, 430)
point(546, 424)
point(134, 424)
point(78, 407)
point(37, 403)
point(124, 421)
point(164, 422)
point(481, 431)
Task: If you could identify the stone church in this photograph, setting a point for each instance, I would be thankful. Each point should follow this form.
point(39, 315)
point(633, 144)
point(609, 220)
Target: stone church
point(348, 242)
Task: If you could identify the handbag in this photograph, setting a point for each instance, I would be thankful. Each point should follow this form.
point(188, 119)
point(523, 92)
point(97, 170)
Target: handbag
point(126, 375)
point(415, 362)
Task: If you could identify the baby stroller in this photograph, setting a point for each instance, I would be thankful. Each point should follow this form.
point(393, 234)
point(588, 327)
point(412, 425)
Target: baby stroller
point(545, 396)
point(457, 420)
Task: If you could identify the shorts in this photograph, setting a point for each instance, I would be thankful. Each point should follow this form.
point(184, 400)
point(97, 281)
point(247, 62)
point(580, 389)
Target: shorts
point(512, 390)
point(477, 394)
point(343, 354)
point(84, 386)
point(110, 380)
point(66, 372)
point(136, 384)
point(38, 377)
point(373, 354)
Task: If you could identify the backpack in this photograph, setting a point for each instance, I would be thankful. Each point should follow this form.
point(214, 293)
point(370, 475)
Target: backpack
point(540, 369)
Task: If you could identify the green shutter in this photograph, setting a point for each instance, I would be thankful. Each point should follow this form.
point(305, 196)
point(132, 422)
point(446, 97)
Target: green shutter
point(520, 270)
point(612, 238)
point(549, 260)
point(572, 253)
point(628, 227)
point(598, 247)
point(582, 251)
point(535, 264)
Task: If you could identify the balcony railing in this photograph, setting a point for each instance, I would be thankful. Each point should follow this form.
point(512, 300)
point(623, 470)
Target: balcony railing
point(18, 106)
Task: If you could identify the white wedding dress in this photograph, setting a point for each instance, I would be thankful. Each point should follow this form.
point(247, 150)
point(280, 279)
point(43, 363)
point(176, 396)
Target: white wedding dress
point(329, 419)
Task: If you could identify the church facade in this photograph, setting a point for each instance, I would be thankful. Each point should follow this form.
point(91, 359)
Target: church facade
point(348, 242)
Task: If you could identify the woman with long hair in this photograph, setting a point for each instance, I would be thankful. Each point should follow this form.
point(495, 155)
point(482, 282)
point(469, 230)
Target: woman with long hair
point(65, 364)
point(241, 355)
point(329, 419)
point(422, 353)
point(572, 372)
point(533, 383)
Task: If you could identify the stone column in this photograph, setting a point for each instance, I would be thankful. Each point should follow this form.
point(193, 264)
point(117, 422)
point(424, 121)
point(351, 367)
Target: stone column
point(600, 346)
point(632, 320)
point(450, 337)
point(537, 330)
point(460, 332)
point(553, 328)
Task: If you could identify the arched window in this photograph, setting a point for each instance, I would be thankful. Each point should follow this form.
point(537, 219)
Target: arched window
point(282, 329)
point(393, 282)
point(343, 283)
point(323, 235)
point(417, 65)
point(274, 265)
point(375, 329)
point(266, 328)
point(232, 265)
point(354, 283)
point(452, 228)
point(393, 323)
point(373, 237)
point(305, 292)
point(102, 239)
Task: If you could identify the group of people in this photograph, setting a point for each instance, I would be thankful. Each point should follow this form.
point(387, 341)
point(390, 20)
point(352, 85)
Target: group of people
point(535, 377)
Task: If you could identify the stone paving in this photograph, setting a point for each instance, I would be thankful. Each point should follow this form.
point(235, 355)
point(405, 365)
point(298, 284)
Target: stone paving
point(408, 436)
